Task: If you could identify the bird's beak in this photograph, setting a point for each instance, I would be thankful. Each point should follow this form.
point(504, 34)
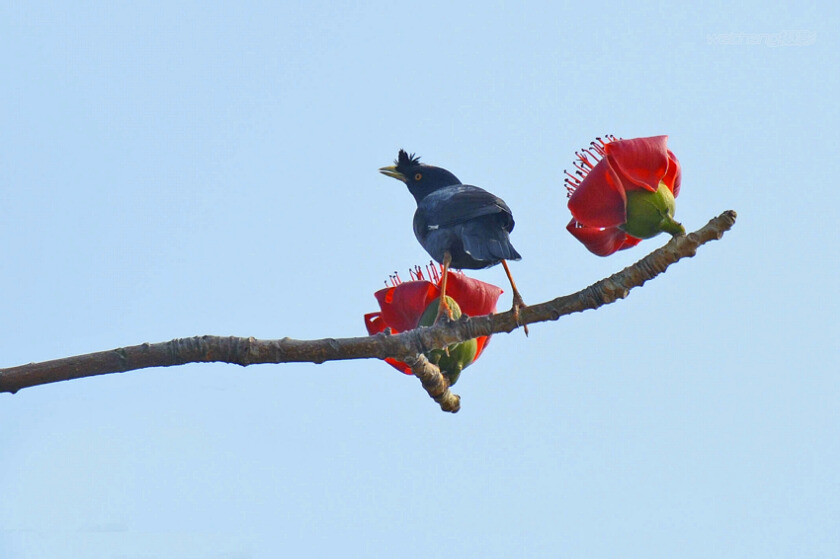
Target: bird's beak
point(392, 172)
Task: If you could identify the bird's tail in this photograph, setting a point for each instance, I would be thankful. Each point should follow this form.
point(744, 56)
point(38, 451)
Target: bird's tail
point(490, 248)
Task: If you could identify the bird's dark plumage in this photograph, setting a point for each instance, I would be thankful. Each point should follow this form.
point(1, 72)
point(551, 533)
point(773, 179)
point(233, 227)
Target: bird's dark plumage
point(466, 221)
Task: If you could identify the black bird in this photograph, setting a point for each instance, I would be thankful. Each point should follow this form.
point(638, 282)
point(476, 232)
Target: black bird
point(459, 225)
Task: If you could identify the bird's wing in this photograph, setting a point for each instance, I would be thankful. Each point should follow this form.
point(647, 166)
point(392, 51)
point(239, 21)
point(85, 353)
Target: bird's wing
point(461, 203)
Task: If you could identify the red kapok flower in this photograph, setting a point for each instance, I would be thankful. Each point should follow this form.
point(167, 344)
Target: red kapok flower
point(622, 192)
point(403, 303)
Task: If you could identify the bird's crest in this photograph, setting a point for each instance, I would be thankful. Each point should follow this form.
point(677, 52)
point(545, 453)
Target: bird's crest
point(404, 159)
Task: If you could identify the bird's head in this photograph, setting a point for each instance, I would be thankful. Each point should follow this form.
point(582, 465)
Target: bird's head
point(421, 179)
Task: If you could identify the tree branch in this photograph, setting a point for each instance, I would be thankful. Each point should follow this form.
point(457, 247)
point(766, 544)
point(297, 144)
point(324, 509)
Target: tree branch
point(407, 347)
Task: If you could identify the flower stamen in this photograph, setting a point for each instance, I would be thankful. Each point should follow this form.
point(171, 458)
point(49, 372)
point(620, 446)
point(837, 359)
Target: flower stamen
point(586, 160)
point(433, 272)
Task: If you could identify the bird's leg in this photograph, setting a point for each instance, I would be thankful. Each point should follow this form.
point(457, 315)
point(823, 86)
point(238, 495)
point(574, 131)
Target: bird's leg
point(447, 260)
point(518, 302)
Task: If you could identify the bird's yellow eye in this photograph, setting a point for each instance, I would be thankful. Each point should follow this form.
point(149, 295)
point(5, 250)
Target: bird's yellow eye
point(418, 176)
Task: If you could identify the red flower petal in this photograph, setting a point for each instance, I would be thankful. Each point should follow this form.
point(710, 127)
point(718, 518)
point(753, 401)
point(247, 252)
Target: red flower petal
point(641, 162)
point(475, 297)
point(374, 323)
point(399, 365)
point(403, 305)
point(480, 343)
point(599, 201)
point(673, 177)
point(601, 241)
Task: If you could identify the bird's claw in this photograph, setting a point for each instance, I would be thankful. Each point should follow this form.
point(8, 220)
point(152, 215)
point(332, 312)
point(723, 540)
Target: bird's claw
point(445, 312)
point(443, 308)
point(518, 303)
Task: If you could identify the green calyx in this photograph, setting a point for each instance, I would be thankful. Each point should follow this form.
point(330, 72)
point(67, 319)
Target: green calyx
point(651, 213)
point(452, 360)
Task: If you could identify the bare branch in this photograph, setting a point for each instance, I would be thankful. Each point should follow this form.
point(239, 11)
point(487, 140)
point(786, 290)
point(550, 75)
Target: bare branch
point(407, 347)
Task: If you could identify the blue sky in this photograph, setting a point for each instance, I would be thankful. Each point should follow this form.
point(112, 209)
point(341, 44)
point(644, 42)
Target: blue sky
point(176, 169)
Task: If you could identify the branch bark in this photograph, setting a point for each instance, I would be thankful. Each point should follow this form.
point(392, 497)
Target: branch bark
point(407, 347)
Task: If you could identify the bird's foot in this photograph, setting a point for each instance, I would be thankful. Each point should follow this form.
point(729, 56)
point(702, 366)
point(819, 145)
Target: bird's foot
point(518, 303)
point(444, 311)
point(443, 308)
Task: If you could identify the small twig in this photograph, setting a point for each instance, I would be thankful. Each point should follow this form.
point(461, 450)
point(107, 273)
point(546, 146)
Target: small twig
point(434, 383)
point(407, 347)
